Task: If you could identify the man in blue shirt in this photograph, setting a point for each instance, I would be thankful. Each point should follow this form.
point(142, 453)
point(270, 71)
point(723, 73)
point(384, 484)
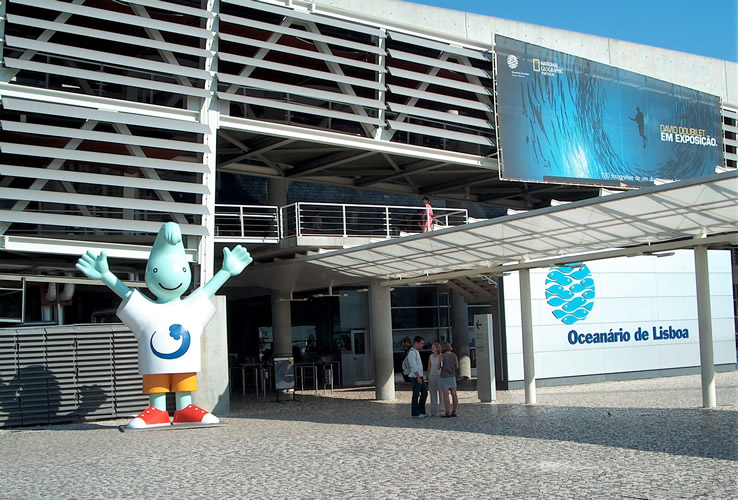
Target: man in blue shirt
point(420, 388)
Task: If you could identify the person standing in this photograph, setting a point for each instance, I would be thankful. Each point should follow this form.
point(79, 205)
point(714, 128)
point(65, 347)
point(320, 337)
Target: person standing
point(434, 376)
point(449, 365)
point(406, 344)
point(427, 215)
point(420, 389)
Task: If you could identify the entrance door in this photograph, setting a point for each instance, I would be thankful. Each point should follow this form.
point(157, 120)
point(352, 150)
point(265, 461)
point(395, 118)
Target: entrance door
point(355, 361)
point(361, 358)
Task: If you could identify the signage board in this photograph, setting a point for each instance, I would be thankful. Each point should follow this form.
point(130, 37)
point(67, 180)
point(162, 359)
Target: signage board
point(620, 315)
point(568, 120)
point(485, 358)
point(284, 373)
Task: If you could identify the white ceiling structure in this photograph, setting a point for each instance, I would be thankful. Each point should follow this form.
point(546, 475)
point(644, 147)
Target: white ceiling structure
point(685, 214)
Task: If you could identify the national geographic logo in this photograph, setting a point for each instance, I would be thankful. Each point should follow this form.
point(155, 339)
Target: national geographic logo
point(546, 68)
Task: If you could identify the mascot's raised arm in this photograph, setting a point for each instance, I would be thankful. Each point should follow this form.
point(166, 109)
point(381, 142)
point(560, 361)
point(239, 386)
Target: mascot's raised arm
point(168, 329)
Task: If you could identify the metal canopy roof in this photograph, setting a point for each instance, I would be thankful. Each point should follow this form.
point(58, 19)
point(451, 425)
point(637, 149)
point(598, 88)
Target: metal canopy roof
point(683, 214)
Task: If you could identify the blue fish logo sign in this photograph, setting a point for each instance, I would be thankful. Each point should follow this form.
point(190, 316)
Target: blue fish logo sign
point(176, 332)
point(570, 291)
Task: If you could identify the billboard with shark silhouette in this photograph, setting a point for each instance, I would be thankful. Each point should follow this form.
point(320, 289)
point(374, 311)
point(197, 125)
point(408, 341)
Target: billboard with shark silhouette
point(566, 119)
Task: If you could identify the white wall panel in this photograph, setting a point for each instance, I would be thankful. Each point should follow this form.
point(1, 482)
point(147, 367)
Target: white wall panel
point(655, 295)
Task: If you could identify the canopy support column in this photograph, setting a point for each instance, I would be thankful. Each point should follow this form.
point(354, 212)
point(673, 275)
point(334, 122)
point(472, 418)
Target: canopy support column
point(281, 324)
point(704, 319)
point(529, 367)
point(381, 329)
point(460, 329)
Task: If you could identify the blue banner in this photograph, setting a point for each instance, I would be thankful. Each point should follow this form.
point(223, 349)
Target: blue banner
point(566, 119)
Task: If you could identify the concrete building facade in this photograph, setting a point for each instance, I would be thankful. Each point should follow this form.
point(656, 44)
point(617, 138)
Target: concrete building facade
point(290, 127)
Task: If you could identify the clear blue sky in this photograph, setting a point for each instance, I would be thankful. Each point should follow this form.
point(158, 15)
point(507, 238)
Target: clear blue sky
point(704, 27)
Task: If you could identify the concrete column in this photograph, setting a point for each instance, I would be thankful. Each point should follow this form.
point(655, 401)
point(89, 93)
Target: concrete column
point(460, 327)
point(212, 393)
point(281, 324)
point(277, 196)
point(704, 319)
point(277, 192)
point(529, 366)
point(380, 324)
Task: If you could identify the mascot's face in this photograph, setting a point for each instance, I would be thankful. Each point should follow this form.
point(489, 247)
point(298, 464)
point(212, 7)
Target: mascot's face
point(168, 274)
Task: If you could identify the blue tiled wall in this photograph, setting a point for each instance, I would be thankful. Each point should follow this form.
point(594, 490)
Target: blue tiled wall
point(249, 190)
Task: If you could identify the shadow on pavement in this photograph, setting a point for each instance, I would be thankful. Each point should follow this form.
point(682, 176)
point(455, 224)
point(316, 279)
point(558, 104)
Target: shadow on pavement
point(692, 432)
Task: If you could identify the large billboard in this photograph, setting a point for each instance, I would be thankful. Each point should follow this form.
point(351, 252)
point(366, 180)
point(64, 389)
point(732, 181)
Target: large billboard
point(566, 119)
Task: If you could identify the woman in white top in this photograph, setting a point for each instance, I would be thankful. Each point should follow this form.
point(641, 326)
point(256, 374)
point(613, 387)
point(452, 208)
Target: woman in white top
point(434, 376)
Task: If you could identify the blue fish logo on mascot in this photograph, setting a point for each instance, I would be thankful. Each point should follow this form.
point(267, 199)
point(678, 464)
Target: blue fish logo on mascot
point(167, 329)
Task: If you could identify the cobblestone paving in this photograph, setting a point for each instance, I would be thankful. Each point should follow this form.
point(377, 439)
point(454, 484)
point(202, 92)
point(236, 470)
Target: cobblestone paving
point(636, 439)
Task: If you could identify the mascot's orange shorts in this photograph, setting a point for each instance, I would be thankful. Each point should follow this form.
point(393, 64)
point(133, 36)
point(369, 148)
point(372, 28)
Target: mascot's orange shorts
point(169, 382)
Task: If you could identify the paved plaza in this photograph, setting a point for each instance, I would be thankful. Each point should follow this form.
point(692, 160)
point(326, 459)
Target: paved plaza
point(635, 439)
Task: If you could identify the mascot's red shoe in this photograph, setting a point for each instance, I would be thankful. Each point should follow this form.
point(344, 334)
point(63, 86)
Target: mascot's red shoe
point(150, 417)
point(192, 414)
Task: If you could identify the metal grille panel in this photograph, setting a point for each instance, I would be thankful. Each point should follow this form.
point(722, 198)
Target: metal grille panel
point(68, 373)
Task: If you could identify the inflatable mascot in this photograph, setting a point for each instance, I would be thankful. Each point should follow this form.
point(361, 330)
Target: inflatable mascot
point(168, 329)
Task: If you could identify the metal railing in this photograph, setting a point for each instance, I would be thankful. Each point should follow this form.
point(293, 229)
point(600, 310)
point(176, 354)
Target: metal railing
point(270, 224)
point(249, 223)
point(379, 221)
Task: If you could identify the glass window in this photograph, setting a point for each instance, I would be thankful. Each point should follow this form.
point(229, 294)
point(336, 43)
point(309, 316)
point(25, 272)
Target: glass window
point(421, 310)
point(416, 317)
point(478, 309)
point(359, 346)
point(409, 296)
point(443, 317)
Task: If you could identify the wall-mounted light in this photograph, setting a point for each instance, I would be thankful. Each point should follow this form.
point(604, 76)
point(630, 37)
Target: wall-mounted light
point(660, 254)
point(571, 265)
point(330, 293)
point(294, 299)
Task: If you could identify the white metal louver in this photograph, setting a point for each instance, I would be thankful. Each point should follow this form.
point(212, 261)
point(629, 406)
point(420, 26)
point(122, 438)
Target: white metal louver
point(437, 92)
point(149, 46)
point(730, 136)
point(289, 61)
point(98, 169)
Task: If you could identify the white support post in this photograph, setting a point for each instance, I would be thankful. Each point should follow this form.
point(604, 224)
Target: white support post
point(381, 132)
point(380, 305)
point(241, 222)
point(387, 220)
point(5, 76)
point(529, 367)
point(209, 116)
point(704, 319)
point(343, 219)
point(298, 216)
